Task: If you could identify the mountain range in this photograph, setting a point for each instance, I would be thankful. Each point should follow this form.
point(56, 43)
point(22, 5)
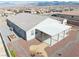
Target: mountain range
point(36, 3)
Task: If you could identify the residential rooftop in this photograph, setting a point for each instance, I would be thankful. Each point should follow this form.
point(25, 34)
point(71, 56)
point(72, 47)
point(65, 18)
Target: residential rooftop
point(26, 21)
point(76, 13)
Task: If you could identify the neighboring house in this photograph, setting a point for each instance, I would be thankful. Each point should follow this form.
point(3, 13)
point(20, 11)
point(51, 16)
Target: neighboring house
point(62, 20)
point(71, 16)
point(43, 28)
point(7, 13)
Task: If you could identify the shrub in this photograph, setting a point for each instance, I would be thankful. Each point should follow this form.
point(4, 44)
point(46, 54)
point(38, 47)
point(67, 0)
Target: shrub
point(13, 53)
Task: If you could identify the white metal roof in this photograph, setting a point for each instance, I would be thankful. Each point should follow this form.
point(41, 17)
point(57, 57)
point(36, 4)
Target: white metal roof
point(26, 21)
point(51, 27)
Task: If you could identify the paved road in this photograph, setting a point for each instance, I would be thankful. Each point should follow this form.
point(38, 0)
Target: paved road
point(2, 50)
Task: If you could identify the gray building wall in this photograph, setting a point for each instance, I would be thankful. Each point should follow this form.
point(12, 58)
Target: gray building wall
point(19, 31)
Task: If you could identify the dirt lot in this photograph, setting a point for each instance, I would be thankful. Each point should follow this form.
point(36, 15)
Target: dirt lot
point(65, 48)
point(68, 47)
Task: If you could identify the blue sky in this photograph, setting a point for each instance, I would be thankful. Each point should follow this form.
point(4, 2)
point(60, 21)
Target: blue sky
point(39, 0)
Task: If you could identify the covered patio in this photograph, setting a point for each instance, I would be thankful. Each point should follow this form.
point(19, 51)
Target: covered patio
point(51, 31)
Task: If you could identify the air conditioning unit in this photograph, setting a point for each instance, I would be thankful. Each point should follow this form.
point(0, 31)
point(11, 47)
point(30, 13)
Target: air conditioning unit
point(65, 21)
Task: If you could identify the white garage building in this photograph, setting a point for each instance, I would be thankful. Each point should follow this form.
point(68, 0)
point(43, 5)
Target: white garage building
point(43, 28)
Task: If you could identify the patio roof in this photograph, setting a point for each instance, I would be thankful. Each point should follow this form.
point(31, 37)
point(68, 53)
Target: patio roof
point(52, 27)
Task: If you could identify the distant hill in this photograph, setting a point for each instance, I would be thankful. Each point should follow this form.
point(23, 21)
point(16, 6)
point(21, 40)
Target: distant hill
point(36, 3)
point(57, 3)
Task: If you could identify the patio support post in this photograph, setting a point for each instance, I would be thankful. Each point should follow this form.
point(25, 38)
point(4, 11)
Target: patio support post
point(64, 34)
point(50, 41)
point(58, 37)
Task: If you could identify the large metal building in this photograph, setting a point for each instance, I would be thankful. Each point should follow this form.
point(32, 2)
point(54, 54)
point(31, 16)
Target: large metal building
point(42, 28)
point(23, 22)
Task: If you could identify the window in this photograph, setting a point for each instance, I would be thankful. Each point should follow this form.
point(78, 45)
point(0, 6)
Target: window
point(61, 35)
point(32, 32)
